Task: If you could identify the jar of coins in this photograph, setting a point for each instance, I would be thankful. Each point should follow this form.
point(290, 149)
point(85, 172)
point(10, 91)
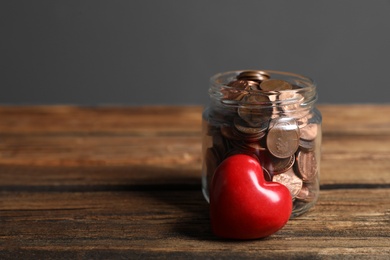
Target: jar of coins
point(271, 116)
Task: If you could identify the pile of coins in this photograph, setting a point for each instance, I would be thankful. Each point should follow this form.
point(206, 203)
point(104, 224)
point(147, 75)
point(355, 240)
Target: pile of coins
point(267, 122)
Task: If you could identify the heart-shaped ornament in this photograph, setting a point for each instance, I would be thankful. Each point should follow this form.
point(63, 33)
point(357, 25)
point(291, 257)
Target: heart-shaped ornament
point(242, 204)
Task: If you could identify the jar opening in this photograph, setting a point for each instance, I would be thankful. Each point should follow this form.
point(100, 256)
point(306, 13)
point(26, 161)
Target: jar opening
point(228, 89)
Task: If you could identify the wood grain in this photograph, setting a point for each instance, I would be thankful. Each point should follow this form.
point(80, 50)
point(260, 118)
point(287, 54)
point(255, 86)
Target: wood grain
point(124, 182)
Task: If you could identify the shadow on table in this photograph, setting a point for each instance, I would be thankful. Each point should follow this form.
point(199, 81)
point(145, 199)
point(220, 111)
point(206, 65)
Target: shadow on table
point(179, 190)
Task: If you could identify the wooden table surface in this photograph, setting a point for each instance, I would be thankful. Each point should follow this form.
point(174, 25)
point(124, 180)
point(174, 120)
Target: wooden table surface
point(124, 182)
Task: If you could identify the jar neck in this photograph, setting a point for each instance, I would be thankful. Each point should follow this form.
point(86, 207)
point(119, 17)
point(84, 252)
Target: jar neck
point(295, 102)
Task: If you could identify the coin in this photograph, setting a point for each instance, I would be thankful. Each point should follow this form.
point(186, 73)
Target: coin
point(228, 132)
point(256, 75)
point(302, 122)
point(256, 110)
point(306, 194)
point(283, 137)
point(220, 144)
point(309, 132)
point(243, 84)
point(290, 103)
point(254, 146)
point(291, 97)
point(306, 165)
point(253, 82)
point(290, 180)
point(235, 151)
point(306, 145)
point(279, 165)
point(258, 99)
point(275, 85)
point(237, 90)
point(243, 127)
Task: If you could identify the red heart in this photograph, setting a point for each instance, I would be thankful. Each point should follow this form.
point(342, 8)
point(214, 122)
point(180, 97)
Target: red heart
point(242, 204)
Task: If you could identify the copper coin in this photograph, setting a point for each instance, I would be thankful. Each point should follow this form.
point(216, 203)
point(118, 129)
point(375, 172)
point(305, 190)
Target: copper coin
point(238, 145)
point(230, 95)
point(256, 109)
point(306, 165)
point(243, 84)
point(302, 122)
point(235, 151)
point(291, 97)
point(243, 127)
point(306, 194)
point(256, 75)
point(236, 90)
point(283, 137)
point(309, 132)
point(279, 165)
point(290, 180)
point(220, 144)
point(290, 103)
point(306, 145)
point(261, 72)
point(252, 147)
point(275, 85)
point(258, 99)
point(248, 137)
point(227, 132)
point(251, 83)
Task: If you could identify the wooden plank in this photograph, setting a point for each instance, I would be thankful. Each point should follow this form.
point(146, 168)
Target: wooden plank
point(65, 150)
point(144, 121)
point(337, 119)
point(148, 160)
point(169, 223)
point(361, 119)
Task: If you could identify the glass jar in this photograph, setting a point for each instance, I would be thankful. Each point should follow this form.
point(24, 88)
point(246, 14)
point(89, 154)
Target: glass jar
point(271, 116)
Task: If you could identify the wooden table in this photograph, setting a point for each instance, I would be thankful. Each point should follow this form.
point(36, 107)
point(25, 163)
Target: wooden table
point(124, 182)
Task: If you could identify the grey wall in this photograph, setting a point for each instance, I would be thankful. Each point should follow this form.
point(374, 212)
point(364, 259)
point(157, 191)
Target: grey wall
point(163, 52)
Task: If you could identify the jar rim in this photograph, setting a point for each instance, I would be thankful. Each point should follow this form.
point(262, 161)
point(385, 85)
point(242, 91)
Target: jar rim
point(306, 89)
point(216, 78)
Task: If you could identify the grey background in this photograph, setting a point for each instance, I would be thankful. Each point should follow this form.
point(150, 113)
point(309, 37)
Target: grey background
point(163, 52)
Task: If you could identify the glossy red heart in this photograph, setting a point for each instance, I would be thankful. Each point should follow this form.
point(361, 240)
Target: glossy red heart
point(242, 204)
